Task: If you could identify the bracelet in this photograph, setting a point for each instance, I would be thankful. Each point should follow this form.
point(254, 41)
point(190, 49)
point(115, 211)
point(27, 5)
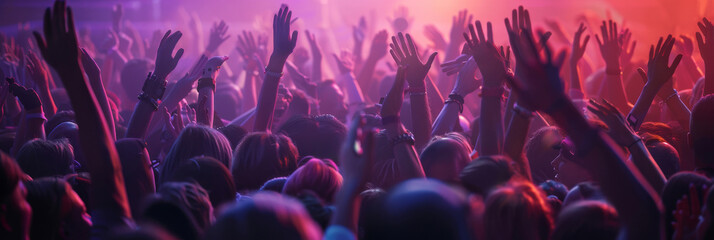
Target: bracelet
point(273, 74)
point(404, 138)
point(671, 96)
point(206, 82)
point(520, 110)
point(635, 142)
point(35, 115)
point(389, 120)
point(456, 98)
point(461, 107)
point(147, 99)
point(492, 91)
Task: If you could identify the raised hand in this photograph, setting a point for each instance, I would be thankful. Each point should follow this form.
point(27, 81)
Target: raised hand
point(165, 63)
point(659, 71)
point(538, 82)
point(218, 36)
point(458, 26)
point(36, 71)
point(687, 214)
point(437, 39)
point(610, 46)
point(684, 45)
point(283, 43)
point(378, 47)
point(705, 41)
point(90, 66)
point(393, 102)
point(59, 45)
point(314, 47)
point(627, 50)
point(357, 154)
point(358, 32)
point(27, 97)
point(579, 49)
point(619, 129)
point(453, 66)
point(487, 56)
point(407, 55)
point(466, 83)
point(247, 47)
point(344, 62)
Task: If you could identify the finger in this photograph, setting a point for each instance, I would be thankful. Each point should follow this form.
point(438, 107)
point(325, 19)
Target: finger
point(394, 45)
point(527, 17)
point(585, 43)
point(489, 30)
point(603, 31)
point(521, 20)
point(659, 46)
point(599, 43)
point(479, 29)
point(675, 63)
point(643, 74)
point(514, 18)
point(178, 55)
point(652, 52)
point(412, 48)
point(403, 45)
point(431, 60)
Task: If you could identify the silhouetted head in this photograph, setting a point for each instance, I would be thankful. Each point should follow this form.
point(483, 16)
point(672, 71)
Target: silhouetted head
point(191, 197)
point(196, 140)
point(267, 216)
point(15, 212)
point(664, 154)
point(705, 228)
point(234, 134)
point(318, 136)
point(587, 220)
point(517, 211)
point(701, 132)
point(137, 171)
point(260, 157)
point(274, 185)
point(540, 150)
point(58, 212)
point(227, 101)
point(482, 175)
point(316, 176)
point(568, 170)
point(332, 99)
point(42, 158)
point(210, 174)
point(445, 156)
point(676, 187)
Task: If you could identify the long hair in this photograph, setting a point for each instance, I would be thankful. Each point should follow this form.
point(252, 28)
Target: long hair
point(517, 211)
point(260, 157)
point(315, 176)
point(195, 140)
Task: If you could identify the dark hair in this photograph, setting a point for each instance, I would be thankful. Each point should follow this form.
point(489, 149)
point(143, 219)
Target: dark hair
point(708, 233)
point(172, 217)
point(262, 156)
point(426, 209)
point(191, 197)
point(136, 169)
point(212, 175)
point(587, 220)
point(444, 158)
point(42, 158)
point(267, 216)
point(315, 176)
point(234, 134)
point(540, 151)
point(45, 197)
point(300, 104)
point(676, 187)
point(517, 211)
point(583, 191)
point(274, 185)
point(319, 136)
point(664, 154)
point(701, 131)
point(195, 140)
point(58, 118)
point(10, 176)
point(480, 176)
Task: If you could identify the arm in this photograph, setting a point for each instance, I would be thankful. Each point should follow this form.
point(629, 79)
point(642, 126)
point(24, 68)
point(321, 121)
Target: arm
point(658, 82)
point(637, 204)
point(376, 52)
point(32, 123)
point(610, 48)
point(283, 45)
point(705, 40)
point(626, 137)
point(217, 37)
point(692, 72)
point(39, 74)
point(576, 55)
point(493, 68)
point(416, 72)
point(206, 89)
point(316, 74)
point(107, 192)
point(154, 86)
point(449, 115)
point(95, 80)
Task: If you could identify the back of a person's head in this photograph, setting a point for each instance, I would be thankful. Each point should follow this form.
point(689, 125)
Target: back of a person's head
point(234, 134)
point(133, 75)
point(485, 173)
point(191, 197)
point(587, 220)
point(227, 101)
point(315, 176)
point(45, 197)
point(42, 158)
point(171, 217)
point(554, 188)
point(583, 191)
point(664, 154)
point(136, 169)
point(701, 131)
point(196, 140)
point(300, 105)
point(58, 118)
point(517, 210)
point(266, 216)
point(444, 158)
point(318, 136)
point(540, 151)
point(426, 209)
point(262, 156)
point(274, 185)
point(676, 187)
point(707, 220)
point(210, 174)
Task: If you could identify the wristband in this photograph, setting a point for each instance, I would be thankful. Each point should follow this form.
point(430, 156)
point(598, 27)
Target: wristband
point(35, 115)
point(147, 99)
point(520, 110)
point(206, 82)
point(635, 142)
point(456, 98)
point(273, 74)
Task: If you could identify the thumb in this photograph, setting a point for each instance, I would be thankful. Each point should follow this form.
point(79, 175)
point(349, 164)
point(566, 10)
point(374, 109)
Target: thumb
point(431, 60)
point(643, 74)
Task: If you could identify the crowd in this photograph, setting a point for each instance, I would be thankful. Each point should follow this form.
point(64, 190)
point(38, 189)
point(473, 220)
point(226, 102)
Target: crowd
point(466, 140)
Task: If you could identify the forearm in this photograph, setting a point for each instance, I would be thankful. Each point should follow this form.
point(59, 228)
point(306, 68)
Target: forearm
point(352, 89)
point(639, 111)
point(206, 93)
point(575, 83)
point(316, 74)
point(249, 99)
point(48, 103)
point(436, 100)
point(446, 120)
point(101, 94)
point(140, 119)
point(515, 140)
point(708, 79)
point(421, 119)
point(357, 55)
point(613, 91)
point(107, 191)
point(491, 126)
point(364, 77)
point(679, 111)
point(268, 96)
point(646, 164)
point(347, 202)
